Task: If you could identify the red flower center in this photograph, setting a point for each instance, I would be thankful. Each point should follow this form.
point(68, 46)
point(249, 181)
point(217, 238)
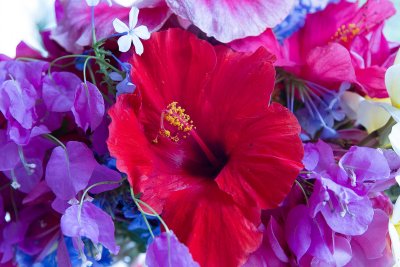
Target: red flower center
point(176, 125)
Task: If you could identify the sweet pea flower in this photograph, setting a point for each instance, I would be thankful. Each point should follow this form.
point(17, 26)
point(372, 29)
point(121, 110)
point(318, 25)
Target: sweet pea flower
point(133, 33)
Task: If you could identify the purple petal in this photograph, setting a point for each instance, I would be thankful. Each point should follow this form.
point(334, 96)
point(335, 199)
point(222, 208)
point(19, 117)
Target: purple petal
point(342, 251)
point(88, 108)
point(373, 241)
point(276, 238)
point(59, 91)
point(166, 250)
point(27, 177)
point(63, 258)
point(10, 149)
point(311, 156)
point(227, 20)
point(100, 174)
point(298, 230)
point(93, 223)
point(60, 205)
point(69, 171)
point(345, 211)
point(364, 165)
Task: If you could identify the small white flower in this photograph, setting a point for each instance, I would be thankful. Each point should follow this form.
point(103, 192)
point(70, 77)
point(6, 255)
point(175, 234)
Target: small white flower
point(133, 34)
point(96, 2)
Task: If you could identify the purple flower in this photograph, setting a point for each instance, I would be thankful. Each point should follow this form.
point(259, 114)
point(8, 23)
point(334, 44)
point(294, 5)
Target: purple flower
point(91, 222)
point(344, 211)
point(20, 95)
point(364, 166)
point(372, 248)
point(68, 171)
point(166, 250)
point(59, 91)
point(88, 107)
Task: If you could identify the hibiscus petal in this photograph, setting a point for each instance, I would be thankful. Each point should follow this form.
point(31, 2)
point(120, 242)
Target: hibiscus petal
point(88, 108)
point(205, 216)
point(260, 169)
point(126, 141)
point(228, 20)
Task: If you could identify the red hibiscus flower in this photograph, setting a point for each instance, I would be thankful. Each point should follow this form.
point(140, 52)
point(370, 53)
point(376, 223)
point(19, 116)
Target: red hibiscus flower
point(204, 147)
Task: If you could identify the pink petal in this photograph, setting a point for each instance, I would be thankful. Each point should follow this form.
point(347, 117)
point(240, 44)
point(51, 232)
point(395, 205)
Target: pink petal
point(330, 63)
point(227, 20)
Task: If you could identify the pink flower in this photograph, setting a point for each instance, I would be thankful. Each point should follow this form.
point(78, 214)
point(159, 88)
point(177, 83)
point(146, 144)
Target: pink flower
point(344, 42)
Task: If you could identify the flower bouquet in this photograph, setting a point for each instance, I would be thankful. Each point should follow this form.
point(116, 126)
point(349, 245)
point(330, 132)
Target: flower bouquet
point(203, 133)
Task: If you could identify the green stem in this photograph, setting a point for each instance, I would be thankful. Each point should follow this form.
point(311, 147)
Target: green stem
point(88, 189)
point(55, 140)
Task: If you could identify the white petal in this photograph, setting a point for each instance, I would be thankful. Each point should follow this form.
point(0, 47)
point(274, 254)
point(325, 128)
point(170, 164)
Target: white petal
point(119, 26)
point(142, 32)
point(395, 112)
point(92, 2)
point(372, 116)
point(394, 237)
point(396, 212)
point(138, 45)
point(394, 138)
point(124, 43)
point(109, 2)
point(392, 81)
point(397, 59)
point(133, 17)
point(350, 103)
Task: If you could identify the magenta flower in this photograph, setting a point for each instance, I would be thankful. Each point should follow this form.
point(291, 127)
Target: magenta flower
point(343, 43)
point(73, 31)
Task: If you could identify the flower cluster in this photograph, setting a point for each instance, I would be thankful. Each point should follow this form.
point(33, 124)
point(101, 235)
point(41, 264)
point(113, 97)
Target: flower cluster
point(203, 133)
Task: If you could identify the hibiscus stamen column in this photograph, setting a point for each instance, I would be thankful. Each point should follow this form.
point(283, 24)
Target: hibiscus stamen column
point(183, 127)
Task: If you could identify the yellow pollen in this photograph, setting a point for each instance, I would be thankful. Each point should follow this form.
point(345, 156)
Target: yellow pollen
point(177, 118)
point(346, 33)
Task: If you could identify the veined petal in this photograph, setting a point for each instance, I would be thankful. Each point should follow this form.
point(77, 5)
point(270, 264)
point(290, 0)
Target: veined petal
point(119, 26)
point(142, 32)
point(138, 45)
point(394, 138)
point(202, 216)
point(124, 43)
point(133, 17)
point(392, 82)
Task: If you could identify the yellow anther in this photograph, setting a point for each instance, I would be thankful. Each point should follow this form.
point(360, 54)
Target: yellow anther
point(346, 33)
point(177, 118)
